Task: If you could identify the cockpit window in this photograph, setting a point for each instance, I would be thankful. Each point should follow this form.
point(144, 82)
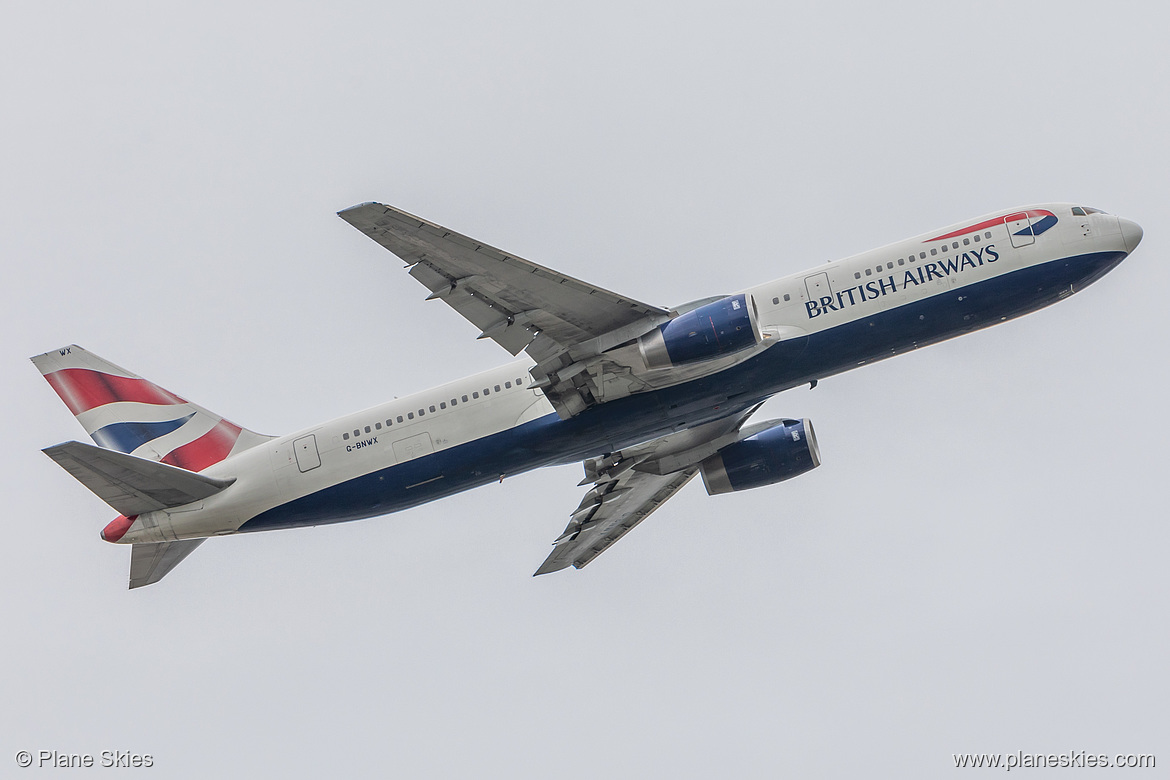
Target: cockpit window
point(1078, 211)
point(1082, 211)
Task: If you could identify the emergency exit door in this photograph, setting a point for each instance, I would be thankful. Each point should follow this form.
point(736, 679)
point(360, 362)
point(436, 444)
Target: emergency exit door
point(817, 286)
point(305, 449)
point(1019, 228)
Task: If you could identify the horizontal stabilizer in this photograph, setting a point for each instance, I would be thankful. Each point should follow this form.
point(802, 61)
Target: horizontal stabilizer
point(149, 563)
point(133, 486)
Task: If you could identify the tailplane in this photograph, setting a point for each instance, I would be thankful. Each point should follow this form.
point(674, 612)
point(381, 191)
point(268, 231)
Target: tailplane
point(124, 412)
point(149, 563)
point(133, 486)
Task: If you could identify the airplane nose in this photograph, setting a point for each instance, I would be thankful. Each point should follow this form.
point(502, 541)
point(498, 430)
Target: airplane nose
point(1131, 232)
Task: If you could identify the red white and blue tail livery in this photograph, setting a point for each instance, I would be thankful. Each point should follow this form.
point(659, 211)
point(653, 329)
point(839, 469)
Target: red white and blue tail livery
point(645, 397)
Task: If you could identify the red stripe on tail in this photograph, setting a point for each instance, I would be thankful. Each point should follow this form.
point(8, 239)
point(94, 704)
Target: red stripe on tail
point(210, 448)
point(83, 389)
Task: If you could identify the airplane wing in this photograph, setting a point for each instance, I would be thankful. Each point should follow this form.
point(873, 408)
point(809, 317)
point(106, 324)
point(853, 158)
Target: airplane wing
point(608, 513)
point(149, 563)
point(629, 485)
point(560, 321)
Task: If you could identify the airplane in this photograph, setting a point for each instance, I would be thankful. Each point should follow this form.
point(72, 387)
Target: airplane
point(644, 397)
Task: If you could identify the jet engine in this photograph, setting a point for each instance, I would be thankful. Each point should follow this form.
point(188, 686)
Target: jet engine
point(785, 450)
point(720, 328)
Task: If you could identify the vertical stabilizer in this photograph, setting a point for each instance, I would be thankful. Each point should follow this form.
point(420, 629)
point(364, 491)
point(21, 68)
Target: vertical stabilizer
point(122, 411)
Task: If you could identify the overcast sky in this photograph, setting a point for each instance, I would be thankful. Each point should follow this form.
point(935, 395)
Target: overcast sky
point(980, 565)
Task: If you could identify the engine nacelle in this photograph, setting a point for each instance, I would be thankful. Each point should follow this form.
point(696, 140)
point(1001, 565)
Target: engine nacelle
point(787, 449)
point(720, 328)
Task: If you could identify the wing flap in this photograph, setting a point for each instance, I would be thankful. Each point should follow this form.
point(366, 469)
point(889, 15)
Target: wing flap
point(628, 486)
point(131, 485)
point(149, 563)
point(636, 496)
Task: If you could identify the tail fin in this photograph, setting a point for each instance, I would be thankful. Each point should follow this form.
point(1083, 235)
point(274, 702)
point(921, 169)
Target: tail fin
point(122, 411)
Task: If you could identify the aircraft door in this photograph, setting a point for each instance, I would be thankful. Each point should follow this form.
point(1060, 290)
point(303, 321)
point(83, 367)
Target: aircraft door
point(1019, 229)
point(305, 449)
point(817, 286)
point(413, 447)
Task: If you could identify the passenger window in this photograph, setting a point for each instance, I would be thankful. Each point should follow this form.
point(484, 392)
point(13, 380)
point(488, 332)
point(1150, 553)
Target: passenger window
point(410, 415)
point(454, 402)
point(775, 301)
point(857, 275)
point(378, 426)
point(422, 412)
point(345, 436)
point(442, 404)
point(966, 242)
point(400, 417)
point(787, 297)
point(367, 429)
point(391, 422)
point(987, 234)
point(507, 385)
point(868, 272)
point(475, 394)
point(933, 252)
point(976, 238)
point(356, 432)
point(465, 398)
point(497, 388)
point(902, 262)
point(432, 409)
point(486, 391)
point(889, 266)
point(921, 255)
point(955, 245)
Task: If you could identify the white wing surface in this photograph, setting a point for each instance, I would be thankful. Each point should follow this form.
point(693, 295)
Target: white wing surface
point(509, 299)
point(560, 321)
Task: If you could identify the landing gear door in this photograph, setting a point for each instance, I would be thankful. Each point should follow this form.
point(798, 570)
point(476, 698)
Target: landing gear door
point(817, 286)
point(305, 449)
point(1019, 228)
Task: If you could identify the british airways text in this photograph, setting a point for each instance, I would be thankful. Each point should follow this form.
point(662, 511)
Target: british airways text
point(912, 278)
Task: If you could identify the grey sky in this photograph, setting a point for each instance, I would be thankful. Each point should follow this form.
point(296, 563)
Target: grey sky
point(978, 566)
